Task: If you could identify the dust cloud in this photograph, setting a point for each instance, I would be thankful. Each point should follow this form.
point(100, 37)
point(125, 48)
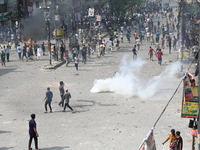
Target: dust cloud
point(128, 81)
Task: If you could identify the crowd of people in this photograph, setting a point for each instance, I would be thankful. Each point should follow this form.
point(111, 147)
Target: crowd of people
point(154, 24)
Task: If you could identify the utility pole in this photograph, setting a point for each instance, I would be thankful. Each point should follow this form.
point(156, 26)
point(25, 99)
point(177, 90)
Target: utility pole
point(47, 20)
point(182, 32)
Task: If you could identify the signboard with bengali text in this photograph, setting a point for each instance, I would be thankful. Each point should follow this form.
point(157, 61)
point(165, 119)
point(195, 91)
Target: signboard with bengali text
point(190, 108)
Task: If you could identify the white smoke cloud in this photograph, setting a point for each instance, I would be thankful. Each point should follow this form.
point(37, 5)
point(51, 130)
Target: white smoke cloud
point(128, 81)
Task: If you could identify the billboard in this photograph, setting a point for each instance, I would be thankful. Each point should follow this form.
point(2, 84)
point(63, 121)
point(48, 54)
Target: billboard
point(190, 108)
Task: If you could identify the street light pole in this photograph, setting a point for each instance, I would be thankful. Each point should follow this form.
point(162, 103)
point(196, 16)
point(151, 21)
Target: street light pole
point(49, 43)
point(47, 19)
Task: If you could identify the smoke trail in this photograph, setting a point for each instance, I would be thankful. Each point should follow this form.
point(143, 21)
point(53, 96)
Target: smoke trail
point(128, 81)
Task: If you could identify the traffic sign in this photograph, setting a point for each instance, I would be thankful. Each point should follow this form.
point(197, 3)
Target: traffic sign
point(91, 12)
point(98, 18)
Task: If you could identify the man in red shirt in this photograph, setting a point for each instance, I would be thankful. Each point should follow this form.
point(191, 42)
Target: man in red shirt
point(159, 56)
point(135, 35)
point(151, 50)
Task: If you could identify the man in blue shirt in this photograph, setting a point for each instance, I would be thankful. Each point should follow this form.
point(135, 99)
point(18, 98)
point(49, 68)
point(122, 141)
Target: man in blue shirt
point(48, 98)
point(33, 132)
point(157, 36)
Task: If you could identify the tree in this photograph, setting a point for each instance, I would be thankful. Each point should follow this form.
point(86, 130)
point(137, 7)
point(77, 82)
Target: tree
point(120, 8)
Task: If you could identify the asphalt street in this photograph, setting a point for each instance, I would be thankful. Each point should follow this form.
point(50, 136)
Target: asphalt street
point(103, 121)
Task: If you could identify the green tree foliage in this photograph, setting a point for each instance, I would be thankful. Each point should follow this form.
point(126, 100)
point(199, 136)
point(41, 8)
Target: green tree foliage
point(119, 8)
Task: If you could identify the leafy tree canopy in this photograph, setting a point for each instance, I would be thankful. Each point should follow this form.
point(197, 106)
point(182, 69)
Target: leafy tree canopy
point(119, 8)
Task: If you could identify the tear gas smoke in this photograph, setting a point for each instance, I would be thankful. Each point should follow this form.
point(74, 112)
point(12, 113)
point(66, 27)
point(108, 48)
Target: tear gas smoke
point(128, 80)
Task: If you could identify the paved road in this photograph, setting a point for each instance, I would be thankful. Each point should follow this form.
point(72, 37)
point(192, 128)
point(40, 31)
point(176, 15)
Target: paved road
point(102, 121)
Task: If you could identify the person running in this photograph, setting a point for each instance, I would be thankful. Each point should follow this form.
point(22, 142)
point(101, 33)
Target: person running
point(137, 41)
point(19, 50)
point(62, 92)
point(179, 141)
point(151, 50)
point(76, 61)
point(134, 52)
point(135, 35)
point(172, 140)
point(152, 39)
point(3, 59)
point(48, 98)
point(128, 37)
point(33, 133)
point(170, 45)
point(157, 36)
point(159, 56)
point(67, 96)
point(163, 43)
point(67, 58)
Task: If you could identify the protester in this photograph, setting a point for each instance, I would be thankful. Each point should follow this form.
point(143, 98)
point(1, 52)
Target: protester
point(179, 141)
point(48, 98)
point(19, 50)
point(33, 133)
point(62, 50)
point(39, 53)
point(151, 51)
point(3, 59)
point(159, 56)
point(24, 52)
point(134, 52)
point(76, 61)
point(62, 92)
point(67, 96)
point(7, 52)
point(172, 140)
point(67, 58)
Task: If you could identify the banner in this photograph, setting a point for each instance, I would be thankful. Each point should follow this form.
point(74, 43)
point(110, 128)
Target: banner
point(149, 142)
point(98, 18)
point(60, 32)
point(188, 96)
point(190, 108)
point(91, 12)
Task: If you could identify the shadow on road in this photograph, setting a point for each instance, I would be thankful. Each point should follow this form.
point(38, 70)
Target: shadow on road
point(6, 148)
point(92, 103)
point(6, 70)
point(1, 132)
point(54, 148)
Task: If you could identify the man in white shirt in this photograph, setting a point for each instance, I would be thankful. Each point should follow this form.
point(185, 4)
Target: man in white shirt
point(19, 50)
point(148, 36)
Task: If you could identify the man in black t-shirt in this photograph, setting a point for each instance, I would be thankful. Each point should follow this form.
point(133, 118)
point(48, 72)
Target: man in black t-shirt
point(134, 52)
point(33, 132)
point(179, 141)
